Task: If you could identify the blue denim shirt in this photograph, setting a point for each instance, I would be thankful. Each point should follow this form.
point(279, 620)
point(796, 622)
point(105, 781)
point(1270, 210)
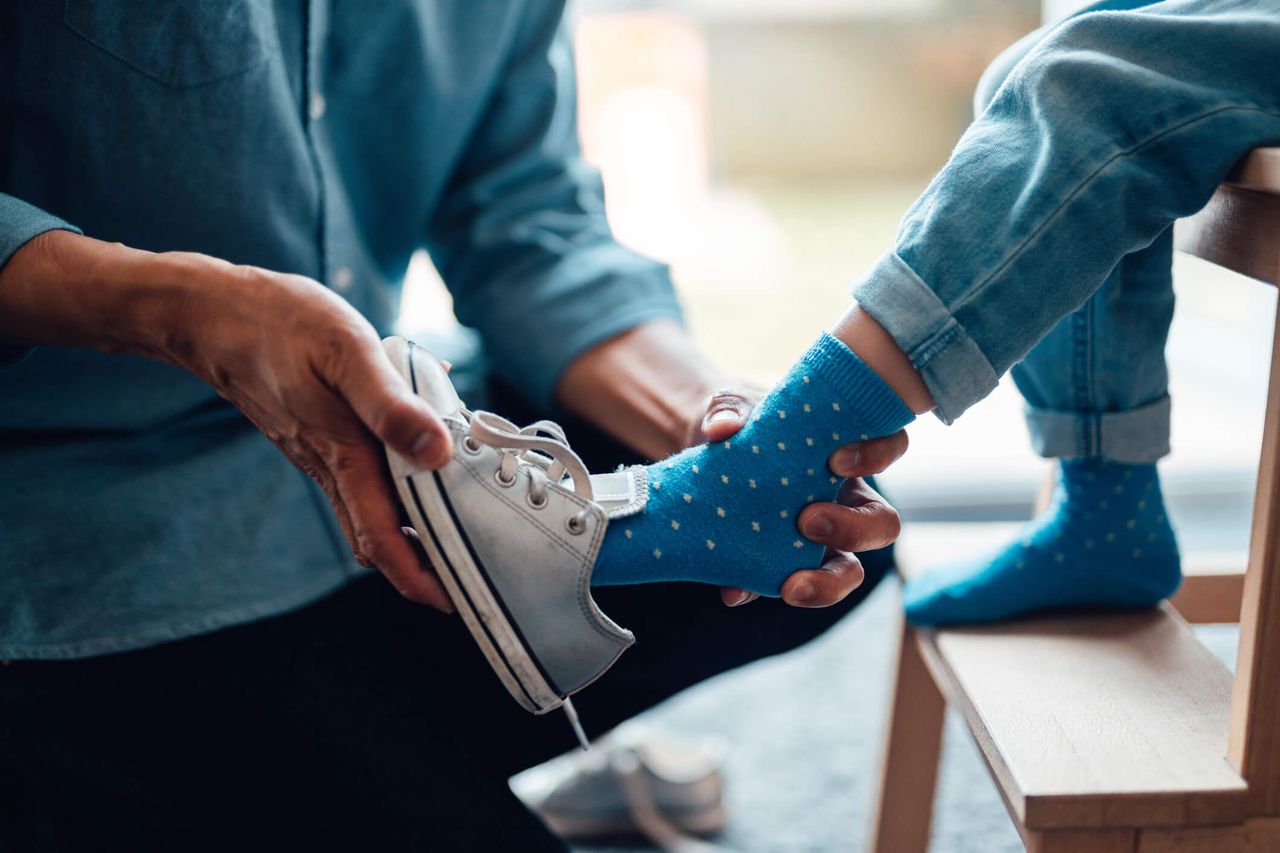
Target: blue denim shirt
point(331, 140)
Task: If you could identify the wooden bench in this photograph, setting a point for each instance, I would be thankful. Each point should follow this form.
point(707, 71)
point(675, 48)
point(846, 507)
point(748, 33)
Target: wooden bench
point(1117, 731)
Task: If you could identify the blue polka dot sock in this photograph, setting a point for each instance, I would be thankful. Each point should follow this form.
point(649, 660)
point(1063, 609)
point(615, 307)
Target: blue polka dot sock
point(1105, 540)
point(725, 513)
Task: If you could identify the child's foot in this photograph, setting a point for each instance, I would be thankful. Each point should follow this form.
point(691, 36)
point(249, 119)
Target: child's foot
point(1105, 540)
point(725, 513)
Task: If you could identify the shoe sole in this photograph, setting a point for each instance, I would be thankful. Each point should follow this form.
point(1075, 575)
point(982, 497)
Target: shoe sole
point(473, 595)
point(431, 513)
point(707, 821)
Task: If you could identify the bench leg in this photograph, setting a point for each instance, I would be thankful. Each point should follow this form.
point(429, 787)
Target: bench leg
point(912, 746)
point(1083, 841)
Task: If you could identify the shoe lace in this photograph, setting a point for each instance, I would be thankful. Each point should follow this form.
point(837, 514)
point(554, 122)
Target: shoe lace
point(540, 449)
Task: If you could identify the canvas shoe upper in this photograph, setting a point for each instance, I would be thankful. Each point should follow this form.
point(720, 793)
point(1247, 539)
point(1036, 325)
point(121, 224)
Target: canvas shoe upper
point(513, 525)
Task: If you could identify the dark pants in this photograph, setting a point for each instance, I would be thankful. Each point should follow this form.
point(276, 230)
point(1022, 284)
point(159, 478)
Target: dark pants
point(363, 722)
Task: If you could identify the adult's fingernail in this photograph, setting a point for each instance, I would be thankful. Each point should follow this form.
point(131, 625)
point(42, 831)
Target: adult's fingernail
point(721, 416)
point(818, 527)
point(846, 459)
point(740, 598)
point(804, 591)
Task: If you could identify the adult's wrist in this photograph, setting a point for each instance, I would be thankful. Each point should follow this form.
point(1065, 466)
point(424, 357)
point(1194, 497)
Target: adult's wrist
point(65, 289)
point(648, 387)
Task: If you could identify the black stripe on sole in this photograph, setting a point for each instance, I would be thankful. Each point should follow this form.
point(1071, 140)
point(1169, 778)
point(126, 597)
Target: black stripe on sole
point(475, 559)
point(466, 540)
point(448, 566)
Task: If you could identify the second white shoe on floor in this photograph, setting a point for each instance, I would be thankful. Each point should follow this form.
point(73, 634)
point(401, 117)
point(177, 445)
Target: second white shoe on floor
point(636, 781)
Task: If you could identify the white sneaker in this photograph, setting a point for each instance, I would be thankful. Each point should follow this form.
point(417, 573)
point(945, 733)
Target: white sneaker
point(636, 782)
point(513, 524)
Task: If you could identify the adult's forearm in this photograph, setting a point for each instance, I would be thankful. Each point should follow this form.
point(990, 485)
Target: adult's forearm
point(299, 362)
point(648, 387)
point(64, 289)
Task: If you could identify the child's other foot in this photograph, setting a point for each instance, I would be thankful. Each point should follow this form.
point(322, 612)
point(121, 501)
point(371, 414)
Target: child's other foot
point(1104, 541)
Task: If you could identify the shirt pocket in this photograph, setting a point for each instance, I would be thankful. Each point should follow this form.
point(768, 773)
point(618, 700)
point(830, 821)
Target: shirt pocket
point(180, 43)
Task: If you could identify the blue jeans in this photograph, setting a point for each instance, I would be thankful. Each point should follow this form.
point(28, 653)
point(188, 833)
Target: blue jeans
point(1045, 243)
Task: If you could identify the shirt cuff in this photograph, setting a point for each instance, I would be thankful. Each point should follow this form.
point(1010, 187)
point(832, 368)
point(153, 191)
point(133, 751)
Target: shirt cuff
point(19, 224)
point(535, 332)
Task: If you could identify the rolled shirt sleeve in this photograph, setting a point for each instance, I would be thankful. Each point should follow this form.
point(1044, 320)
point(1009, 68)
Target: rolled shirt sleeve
point(521, 237)
point(19, 224)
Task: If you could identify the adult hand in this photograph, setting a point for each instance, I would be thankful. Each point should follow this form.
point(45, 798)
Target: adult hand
point(858, 520)
point(304, 366)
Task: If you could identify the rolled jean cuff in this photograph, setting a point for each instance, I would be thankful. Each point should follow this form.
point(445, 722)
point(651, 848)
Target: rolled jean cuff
point(1136, 436)
point(955, 370)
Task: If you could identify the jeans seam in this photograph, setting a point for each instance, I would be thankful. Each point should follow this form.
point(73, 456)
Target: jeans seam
point(935, 343)
point(1090, 178)
point(1088, 439)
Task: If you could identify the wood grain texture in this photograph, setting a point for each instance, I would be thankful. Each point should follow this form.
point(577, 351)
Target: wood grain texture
point(1258, 835)
point(1238, 230)
point(1254, 745)
point(1083, 841)
point(913, 744)
point(1087, 721)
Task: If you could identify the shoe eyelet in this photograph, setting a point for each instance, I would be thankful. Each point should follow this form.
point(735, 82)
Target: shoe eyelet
point(470, 445)
point(575, 525)
point(505, 483)
point(533, 502)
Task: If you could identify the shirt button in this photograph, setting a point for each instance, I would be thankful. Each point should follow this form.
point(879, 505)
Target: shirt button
point(318, 106)
point(343, 278)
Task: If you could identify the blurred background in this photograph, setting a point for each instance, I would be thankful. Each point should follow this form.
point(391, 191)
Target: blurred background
point(766, 149)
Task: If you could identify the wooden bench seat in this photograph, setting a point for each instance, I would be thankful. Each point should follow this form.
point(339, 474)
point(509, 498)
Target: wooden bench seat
point(1116, 720)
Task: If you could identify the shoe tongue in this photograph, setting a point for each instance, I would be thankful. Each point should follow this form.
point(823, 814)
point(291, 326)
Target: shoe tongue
point(621, 493)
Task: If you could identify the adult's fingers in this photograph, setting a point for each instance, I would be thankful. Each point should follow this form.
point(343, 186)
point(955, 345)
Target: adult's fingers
point(388, 407)
point(864, 458)
point(839, 575)
point(379, 541)
point(727, 411)
point(733, 597)
point(860, 520)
